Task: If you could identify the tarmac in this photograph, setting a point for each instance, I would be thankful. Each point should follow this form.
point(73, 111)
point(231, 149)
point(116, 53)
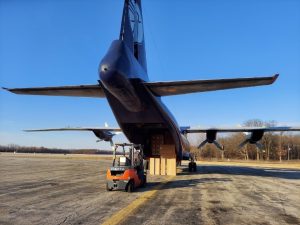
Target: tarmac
point(70, 189)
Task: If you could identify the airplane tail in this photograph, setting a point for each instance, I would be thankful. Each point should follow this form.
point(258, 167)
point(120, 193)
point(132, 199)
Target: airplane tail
point(132, 31)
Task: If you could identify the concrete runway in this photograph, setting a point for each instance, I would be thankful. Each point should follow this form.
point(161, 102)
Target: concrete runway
point(71, 190)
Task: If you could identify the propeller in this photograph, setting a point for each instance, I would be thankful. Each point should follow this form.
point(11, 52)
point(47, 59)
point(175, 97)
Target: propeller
point(259, 146)
point(217, 144)
point(111, 143)
point(106, 135)
point(202, 143)
point(246, 141)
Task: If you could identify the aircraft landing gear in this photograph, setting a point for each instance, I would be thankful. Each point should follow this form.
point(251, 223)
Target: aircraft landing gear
point(192, 166)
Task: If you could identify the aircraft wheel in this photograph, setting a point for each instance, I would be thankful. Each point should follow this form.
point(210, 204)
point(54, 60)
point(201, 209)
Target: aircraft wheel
point(190, 167)
point(195, 167)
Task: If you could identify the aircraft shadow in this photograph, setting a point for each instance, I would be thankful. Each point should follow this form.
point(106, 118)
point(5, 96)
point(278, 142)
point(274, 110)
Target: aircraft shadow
point(227, 170)
point(182, 183)
point(247, 171)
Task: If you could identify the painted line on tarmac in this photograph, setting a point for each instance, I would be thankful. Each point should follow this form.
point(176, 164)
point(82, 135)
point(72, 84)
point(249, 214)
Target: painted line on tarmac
point(128, 210)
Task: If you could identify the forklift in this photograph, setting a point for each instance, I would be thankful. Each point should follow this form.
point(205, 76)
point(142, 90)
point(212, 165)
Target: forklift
point(127, 171)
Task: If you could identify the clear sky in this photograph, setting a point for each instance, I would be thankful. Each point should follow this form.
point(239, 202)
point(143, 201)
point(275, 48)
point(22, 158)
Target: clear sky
point(51, 43)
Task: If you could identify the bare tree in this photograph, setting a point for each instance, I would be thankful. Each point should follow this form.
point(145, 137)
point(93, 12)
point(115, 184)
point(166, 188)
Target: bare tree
point(268, 138)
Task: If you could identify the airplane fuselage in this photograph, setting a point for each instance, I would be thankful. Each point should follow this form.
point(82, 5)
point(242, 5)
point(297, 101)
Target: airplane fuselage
point(139, 113)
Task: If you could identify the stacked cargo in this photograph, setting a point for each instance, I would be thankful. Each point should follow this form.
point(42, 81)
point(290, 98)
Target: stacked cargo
point(156, 142)
point(166, 164)
point(167, 151)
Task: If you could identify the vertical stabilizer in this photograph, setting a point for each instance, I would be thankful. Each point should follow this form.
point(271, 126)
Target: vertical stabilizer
point(132, 31)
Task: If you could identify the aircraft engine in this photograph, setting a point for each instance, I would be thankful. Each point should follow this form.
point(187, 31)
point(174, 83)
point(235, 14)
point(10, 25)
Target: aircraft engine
point(211, 136)
point(253, 138)
point(104, 136)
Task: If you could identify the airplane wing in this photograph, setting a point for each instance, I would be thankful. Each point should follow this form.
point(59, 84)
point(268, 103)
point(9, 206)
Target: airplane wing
point(103, 133)
point(77, 129)
point(77, 91)
point(242, 129)
point(192, 86)
point(256, 134)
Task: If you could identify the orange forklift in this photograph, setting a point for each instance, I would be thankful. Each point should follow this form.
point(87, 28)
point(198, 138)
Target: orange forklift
point(127, 171)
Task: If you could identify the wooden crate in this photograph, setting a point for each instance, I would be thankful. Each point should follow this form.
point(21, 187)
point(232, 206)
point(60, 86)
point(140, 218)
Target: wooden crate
point(163, 164)
point(156, 141)
point(157, 166)
point(152, 166)
point(167, 151)
point(171, 166)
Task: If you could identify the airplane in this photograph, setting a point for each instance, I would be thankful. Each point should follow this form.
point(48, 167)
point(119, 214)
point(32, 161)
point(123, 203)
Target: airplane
point(137, 102)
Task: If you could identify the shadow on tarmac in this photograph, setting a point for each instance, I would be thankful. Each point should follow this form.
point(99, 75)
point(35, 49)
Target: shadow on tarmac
point(245, 171)
point(229, 170)
point(182, 183)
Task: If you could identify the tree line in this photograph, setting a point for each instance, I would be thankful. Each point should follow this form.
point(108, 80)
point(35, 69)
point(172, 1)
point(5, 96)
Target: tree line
point(22, 149)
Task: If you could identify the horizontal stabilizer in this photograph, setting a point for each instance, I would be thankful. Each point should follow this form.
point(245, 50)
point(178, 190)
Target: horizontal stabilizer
point(185, 87)
point(94, 91)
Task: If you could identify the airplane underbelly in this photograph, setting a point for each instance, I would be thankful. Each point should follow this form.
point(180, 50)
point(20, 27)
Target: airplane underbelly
point(147, 115)
point(153, 119)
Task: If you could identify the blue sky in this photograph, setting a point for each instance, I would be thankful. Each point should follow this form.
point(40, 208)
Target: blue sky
point(50, 43)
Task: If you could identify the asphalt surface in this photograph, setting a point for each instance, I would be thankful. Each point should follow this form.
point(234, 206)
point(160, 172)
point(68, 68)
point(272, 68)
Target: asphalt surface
point(226, 195)
point(61, 190)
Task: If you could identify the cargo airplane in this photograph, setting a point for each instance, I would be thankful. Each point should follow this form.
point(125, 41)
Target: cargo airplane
point(136, 101)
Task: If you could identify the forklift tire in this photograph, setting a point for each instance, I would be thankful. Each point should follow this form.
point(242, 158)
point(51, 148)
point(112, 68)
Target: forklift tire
point(144, 181)
point(130, 186)
point(107, 188)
